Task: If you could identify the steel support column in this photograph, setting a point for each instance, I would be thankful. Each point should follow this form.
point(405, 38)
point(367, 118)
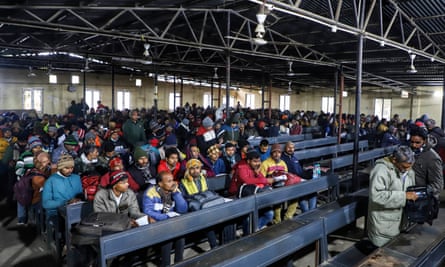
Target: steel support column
point(358, 95)
point(443, 101)
point(112, 89)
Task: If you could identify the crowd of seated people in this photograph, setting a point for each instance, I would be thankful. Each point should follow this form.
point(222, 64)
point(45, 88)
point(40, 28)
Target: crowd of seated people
point(153, 155)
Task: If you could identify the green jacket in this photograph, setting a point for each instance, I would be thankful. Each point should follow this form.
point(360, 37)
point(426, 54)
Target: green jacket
point(134, 133)
point(387, 198)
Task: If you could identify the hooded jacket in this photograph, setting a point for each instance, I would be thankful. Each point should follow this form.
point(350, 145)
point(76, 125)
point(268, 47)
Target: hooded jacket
point(387, 198)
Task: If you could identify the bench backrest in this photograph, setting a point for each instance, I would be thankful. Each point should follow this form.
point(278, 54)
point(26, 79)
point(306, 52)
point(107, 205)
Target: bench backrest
point(344, 161)
point(315, 143)
point(285, 193)
point(279, 139)
point(328, 150)
point(145, 236)
point(219, 182)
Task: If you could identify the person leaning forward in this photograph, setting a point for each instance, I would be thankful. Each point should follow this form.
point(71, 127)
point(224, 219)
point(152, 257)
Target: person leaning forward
point(389, 180)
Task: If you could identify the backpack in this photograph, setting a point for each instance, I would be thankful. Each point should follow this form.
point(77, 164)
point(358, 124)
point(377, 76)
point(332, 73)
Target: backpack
point(252, 189)
point(204, 200)
point(23, 190)
point(425, 208)
point(90, 185)
point(98, 224)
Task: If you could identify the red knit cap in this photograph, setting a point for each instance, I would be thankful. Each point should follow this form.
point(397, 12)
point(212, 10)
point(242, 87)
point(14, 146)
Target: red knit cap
point(114, 162)
point(117, 176)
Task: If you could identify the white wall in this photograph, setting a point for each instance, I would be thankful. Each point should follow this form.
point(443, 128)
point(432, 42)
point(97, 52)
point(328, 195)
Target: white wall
point(57, 99)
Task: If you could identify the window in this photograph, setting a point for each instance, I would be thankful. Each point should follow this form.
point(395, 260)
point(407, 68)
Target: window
point(327, 104)
point(284, 102)
point(231, 101)
point(207, 100)
point(138, 82)
point(91, 97)
point(33, 99)
point(75, 79)
point(123, 100)
point(250, 101)
point(383, 108)
point(52, 78)
point(174, 101)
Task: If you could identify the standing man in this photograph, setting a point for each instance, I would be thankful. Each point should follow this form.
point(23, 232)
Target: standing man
point(133, 129)
point(428, 165)
point(389, 180)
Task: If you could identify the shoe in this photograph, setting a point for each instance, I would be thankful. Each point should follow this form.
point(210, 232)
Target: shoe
point(21, 224)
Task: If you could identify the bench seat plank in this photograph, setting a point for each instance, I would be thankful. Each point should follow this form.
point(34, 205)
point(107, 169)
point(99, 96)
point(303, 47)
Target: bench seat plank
point(261, 248)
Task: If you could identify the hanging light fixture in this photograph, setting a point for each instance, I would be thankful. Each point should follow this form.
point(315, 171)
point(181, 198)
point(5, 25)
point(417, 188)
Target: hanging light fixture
point(215, 75)
point(412, 68)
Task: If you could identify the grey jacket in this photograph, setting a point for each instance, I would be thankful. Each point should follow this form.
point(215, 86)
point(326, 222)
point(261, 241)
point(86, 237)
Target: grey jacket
point(104, 202)
point(387, 198)
point(428, 169)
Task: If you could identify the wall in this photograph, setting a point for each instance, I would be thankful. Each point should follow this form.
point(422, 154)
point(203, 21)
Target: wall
point(57, 99)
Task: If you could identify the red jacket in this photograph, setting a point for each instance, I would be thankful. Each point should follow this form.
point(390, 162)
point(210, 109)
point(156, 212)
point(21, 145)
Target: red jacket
point(163, 167)
point(244, 174)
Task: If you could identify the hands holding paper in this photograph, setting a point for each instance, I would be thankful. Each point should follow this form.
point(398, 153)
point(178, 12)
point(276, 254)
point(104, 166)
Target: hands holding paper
point(172, 214)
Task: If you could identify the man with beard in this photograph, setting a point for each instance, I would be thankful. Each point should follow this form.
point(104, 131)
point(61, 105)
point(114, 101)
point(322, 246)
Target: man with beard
point(428, 165)
point(248, 172)
point(142, 171)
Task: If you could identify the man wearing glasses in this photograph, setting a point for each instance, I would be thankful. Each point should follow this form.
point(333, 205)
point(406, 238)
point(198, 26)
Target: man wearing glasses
point(428, 165)
point(389, 180)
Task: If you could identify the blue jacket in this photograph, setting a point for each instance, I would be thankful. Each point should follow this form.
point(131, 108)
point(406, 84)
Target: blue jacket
point(58, 190)
point(265, 155)
point(293, 166)
point(153, 206)
point(218, 166)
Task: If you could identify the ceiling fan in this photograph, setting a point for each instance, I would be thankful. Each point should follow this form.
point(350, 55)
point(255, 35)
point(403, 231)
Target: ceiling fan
point(31, 73)
point(86, 67)
point(290, 72)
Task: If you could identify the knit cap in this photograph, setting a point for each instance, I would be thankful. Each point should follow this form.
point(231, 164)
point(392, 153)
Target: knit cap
point(185, 121)
point(139, 153)
point(117, 176)
point(65, 161)
point(207, 122)
point(275, 147)
point(90, 135)
point(34, 141)
point(170, 141)
point(115, 162)
point(70, 140)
